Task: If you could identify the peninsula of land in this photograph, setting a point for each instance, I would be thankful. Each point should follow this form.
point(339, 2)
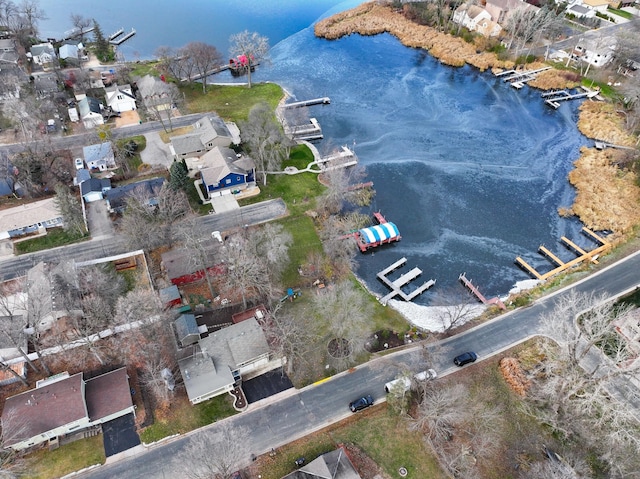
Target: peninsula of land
point(606, 191)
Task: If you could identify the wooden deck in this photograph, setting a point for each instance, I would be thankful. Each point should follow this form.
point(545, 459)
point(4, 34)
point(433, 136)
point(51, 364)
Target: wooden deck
point(397, 285)
point(476, 292)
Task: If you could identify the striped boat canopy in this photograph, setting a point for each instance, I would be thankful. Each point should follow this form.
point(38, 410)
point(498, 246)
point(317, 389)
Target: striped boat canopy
point(379, 233)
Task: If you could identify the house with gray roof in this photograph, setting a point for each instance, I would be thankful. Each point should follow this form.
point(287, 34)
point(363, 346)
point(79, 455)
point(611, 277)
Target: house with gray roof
point(120, 98)
point(99, 156)
point(29, 218)
point(8, 52)
point(154, 93)
point(224, 358)
point(90, 112)
point(94, 189)
point(208, 132)
point(332, 465)
point(42, 54)
point(226, 172)
point(62, 405)
point(146, 189)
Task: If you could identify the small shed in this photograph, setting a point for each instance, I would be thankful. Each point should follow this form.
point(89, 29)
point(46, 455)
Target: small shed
point(170, 296)
point(187, 329)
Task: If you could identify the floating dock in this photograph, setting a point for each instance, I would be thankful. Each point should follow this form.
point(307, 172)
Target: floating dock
point(316, 101)
point(123, 39)
point(562, 266)
point(397, 285)
point(476, 292)
point(115, 34)
point(345, 157)
point(525, 75)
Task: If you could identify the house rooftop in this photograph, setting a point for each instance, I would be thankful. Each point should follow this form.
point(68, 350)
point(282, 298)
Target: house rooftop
point(117, 197)
point(44, 408)
point(89, 105)
point(28, 214)
point(332, 465)
point(108, 394)
point(97, 151)
point(221, 162)
point(177, 263)
point(94, 184)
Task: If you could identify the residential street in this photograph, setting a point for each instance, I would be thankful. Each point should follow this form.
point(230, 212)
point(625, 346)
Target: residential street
point(14, 266)
point(279, 420)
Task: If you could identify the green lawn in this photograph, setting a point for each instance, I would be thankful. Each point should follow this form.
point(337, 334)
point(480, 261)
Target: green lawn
point(72, 457)
point(54, 237)
point(183, 417)
point(379, 433)
point(231, 102)
point(620, 13)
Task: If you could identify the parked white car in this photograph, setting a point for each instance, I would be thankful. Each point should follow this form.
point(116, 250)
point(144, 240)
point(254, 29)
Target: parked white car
point(427, 375)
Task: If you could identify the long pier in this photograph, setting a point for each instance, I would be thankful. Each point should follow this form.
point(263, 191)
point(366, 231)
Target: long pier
point(316, 101)
point(562, 266)
point(116, 34)
point(76, 32)
point(476, 292)
point(397, 285)
point(525, 74)
point(562, 95)
point(121, 40)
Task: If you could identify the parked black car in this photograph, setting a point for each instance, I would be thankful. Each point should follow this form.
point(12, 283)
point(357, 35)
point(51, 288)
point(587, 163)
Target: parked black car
point(361, 403)
point(465, 358)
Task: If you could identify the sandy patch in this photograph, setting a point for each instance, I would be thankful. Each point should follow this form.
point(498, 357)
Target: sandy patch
point(128, 118)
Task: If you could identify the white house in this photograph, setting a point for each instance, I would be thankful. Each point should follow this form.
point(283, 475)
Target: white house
point(68, 51)
point(90, 112)
point(29, 218)
point(42, 54)
point(62, 405)
point(596, 53)
point(476, 19)
point(120, 98)
point(99, 156)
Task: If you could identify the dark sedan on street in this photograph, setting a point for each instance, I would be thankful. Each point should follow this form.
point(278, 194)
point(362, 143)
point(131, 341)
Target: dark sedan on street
point(361, 403)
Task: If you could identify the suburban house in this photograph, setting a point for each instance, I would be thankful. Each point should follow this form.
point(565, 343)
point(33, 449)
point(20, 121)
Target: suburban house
point(187, 330)
point(500, 10)
point(580, 11)
point(208, 132)
point(71, 52)
point(331, 465)
point(42, 54)
point(120, 98)
point(99, 156)
point(225, 173)
point(222, 359)
point(147, 190)
point(94, 189)
point(154, 93)
point(45, 289)
point(476, 19)
point(600, 6)
point(8, 52)
point(30, 218)
point(90, 111)
point(595, 52)
point(170, 296)
point(63, 405)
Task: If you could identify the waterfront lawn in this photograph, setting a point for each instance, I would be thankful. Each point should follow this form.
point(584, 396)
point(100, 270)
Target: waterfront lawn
point(378, 433)
point(184, 417)
point(231, 102)
point(55, 237)
point(45, 464)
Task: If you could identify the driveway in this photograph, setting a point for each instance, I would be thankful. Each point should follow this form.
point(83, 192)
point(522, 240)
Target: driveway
point(157, 152)
point(266, 385)
point(119, 434)
point(100, 225)
point(223, 203)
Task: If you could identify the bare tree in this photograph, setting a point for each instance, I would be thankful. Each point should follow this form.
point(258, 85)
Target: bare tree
point(440, 411)
point(271, 243)
point(291, 334)
point(217, 453)
point(453, 307)
point(173, 207)
point(338, 181)
point(266, 141)
point(247, 274)
point(140, 304)
point(81, 24)
point(347, 312)
point(202, 58)
point(12, 465)
point(163, 94)
point(71, 210)
point(253, 47)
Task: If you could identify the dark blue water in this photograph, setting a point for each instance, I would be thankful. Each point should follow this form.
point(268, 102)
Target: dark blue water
point(471, 171)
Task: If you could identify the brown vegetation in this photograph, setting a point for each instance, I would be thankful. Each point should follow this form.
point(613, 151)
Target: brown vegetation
point(372, 19)
point(514, 376)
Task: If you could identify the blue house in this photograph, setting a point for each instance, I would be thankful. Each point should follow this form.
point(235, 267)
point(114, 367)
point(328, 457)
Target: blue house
point(226, 172)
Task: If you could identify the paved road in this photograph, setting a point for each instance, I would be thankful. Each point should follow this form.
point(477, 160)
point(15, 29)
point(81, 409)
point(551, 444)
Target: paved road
point(247, 215)
point(277, 421)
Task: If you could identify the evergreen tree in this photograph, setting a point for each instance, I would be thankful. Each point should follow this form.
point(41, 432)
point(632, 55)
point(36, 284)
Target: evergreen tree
point(179, 179)
point(102, 47)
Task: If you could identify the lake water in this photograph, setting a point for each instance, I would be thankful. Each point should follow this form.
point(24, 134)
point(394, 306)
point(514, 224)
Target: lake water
point(471, 171)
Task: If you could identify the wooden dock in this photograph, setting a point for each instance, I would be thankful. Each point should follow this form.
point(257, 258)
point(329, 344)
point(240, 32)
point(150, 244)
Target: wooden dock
point(397, 285)
point(561, 266)
point(525, 75)
point(123, 39)
point(553, 100)
point(476, 292)
point(316, 101)
point(345, 157)
point(115, 34)
point(307, 132)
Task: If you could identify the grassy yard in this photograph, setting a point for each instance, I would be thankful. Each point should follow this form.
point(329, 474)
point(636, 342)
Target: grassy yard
point(183, 417)
point(72, 457)
point(54, 237)
point(231, 102)
point(620, 13)
point(378, 432)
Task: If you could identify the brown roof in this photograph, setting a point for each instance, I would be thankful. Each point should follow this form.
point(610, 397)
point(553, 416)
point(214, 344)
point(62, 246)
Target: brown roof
point(108, 394)
point(47, 407)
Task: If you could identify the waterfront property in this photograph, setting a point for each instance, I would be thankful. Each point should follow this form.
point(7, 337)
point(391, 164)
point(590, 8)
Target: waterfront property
point(226, 172)
point(382, 233)
point(396, 285)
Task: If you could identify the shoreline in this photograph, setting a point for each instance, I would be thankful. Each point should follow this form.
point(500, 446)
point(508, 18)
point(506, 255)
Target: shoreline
point(599, 205)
